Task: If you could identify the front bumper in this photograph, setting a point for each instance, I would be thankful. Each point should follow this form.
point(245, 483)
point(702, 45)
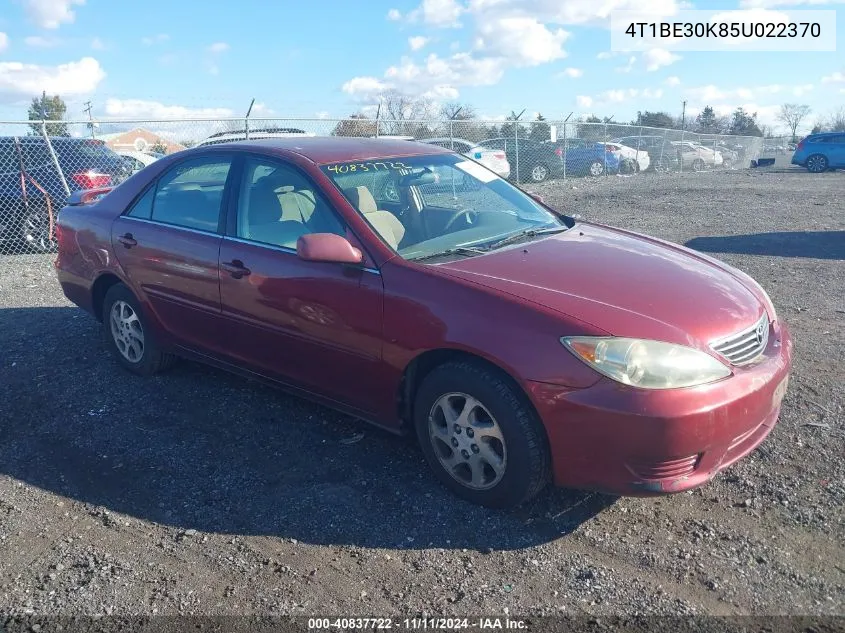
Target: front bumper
point(636, 442)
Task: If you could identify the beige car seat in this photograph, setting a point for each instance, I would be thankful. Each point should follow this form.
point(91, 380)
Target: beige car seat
point(384, 222)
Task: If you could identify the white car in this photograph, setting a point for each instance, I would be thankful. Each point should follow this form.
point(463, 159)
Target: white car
point(136, 160)
point(493, 159)
point(640, 157)
point(229, 137)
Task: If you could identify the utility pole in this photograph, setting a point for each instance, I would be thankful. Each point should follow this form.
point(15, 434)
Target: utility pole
point(683, 115)
point(90, 119)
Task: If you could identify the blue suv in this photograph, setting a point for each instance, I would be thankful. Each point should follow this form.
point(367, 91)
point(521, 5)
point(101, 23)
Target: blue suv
point(820, 152)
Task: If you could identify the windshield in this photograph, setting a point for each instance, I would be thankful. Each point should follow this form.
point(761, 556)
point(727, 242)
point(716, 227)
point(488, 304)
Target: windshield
point(422, 205)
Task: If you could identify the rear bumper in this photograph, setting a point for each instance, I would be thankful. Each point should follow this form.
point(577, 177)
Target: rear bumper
point(635, 442)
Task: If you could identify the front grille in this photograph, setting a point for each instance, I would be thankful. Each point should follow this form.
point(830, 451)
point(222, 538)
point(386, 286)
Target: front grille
point(745, 346)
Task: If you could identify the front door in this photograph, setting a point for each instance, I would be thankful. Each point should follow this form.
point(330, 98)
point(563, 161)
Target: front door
point(168, 244)
point(315, 325)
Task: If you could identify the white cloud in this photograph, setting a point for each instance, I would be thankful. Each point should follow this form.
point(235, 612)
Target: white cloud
point(417, 42)
point(38, 41)
point(592, 12)
point(261, 110)
point(50, 14)
point(584, 101)
point(572, 73)
point(322, 114)
point(26, 80)
point(152, 110)
point(504, 34)
point(218, 47)
point(607, 54)
point(768, 4)
point(711, 94)
point(437, 13)
point(609, 97)
point(97, 44)
point(523, 40)
point(656, 58)
point(673, 81)
point(627, 67)
point(155, 39)
point(834, 78)
point(436, 77)
point(4, 41)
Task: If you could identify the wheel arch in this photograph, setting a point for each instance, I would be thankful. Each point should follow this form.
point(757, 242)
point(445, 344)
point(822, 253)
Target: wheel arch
point(98, 292)
point(424, 363)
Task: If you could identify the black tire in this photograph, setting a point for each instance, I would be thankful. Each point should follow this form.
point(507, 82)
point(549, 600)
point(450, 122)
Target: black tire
point(35, 230)
point(817, 163)
point(527, 460)
point(698, 164)
point(151, 359)
point(628, 166)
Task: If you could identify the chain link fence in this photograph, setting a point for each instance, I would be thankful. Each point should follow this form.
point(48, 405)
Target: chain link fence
point(43, 163)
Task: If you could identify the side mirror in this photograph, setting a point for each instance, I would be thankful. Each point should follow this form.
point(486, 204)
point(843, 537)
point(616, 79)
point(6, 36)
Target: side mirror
point(327, 247)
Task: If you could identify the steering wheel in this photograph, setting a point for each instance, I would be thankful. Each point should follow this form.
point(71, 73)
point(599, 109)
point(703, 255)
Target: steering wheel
point(457, 213)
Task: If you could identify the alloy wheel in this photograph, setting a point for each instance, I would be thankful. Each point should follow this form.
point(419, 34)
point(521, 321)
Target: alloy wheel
point(467, 441)
point(127, 332)
point(596, 169)
point(816, 163)
point(539, 173)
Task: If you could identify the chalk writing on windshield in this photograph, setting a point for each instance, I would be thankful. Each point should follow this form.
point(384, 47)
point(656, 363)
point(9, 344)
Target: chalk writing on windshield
point(351, 168)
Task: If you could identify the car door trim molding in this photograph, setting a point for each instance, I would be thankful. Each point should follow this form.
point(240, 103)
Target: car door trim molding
point(171, 226)
point(291, 251)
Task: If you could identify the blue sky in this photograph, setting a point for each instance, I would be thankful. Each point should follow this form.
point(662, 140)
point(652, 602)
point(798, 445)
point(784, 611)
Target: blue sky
point(172, 58)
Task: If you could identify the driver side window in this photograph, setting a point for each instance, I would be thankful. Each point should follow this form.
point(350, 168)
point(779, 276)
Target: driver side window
point(277, 205)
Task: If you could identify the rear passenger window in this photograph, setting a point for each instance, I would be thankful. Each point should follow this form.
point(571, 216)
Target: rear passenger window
point(143, 207)
point(191, 194)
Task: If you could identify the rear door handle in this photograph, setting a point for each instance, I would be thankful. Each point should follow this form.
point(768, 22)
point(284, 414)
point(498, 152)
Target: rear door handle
point(127, 240)
point(235, 268)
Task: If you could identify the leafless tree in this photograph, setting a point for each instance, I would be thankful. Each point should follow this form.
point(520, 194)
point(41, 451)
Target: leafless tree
point(398, 109)
point(836, 121)
point(791, 114)
point(455, 111)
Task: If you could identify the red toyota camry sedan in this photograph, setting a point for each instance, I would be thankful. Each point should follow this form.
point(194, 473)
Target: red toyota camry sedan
point(414, 288)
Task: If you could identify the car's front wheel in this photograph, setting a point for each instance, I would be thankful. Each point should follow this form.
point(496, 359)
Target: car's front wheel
point(817, 163)
point(480, 436)
point(128, 336)
point(698, 164)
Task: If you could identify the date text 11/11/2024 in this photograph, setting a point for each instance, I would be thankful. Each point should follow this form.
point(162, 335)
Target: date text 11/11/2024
point(416, 624)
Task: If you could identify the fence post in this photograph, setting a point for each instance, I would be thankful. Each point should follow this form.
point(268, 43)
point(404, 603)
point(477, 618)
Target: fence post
point(563, 154)
point(451, 134)
point(604, 146)
point(55, 158)
point(516, 145)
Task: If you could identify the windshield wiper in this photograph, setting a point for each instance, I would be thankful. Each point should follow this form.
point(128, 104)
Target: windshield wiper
point(519, 235)
point(458, 250)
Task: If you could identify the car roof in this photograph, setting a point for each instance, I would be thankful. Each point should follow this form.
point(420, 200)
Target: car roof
point(335, 149)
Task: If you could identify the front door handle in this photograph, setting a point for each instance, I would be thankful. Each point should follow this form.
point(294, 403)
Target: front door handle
point(127, 240)
point(235, 268)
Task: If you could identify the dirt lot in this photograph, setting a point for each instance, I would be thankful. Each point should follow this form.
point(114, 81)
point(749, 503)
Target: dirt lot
point(199, 492)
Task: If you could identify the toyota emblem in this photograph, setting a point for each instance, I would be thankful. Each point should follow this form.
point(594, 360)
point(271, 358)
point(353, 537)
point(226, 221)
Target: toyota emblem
point(759, 333)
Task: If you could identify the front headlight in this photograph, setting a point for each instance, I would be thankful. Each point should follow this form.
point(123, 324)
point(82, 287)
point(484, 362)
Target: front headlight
point(646, 364)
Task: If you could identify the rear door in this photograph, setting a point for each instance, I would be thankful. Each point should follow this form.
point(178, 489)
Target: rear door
point(168, 244)
point(836, 153)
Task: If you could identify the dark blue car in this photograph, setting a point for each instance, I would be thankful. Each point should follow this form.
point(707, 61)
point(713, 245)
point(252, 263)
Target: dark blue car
point(820, 152)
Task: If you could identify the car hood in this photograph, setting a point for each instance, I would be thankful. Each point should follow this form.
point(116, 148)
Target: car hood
point(620, 282)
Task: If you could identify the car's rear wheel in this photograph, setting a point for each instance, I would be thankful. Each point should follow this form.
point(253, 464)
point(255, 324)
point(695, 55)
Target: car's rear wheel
point(817, 163)
point(698, 164)
point(596, 168)
point(128, 335)
point(35, 230)
point(539, 173)
point(628, 166)
point(661, 165)
point(480, 436)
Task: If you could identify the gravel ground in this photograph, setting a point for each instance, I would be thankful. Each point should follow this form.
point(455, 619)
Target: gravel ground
point(199, 492)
